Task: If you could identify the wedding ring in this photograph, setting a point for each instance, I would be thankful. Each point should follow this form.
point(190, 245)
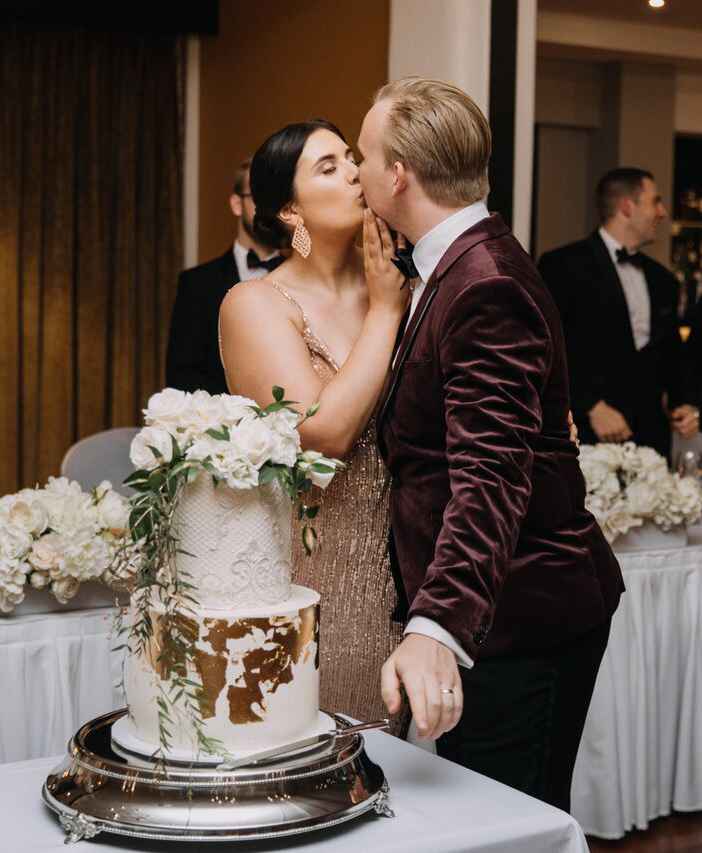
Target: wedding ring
point(449, 690)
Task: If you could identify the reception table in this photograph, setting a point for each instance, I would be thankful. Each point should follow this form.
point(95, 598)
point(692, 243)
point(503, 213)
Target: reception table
point(57, 672)
point(641, 753)
point(439, 806)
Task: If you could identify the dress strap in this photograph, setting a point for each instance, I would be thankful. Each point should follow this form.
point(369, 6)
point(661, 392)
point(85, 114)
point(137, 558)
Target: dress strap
point(283, 292)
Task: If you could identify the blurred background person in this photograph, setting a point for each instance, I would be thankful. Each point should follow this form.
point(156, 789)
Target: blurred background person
point(618, 308)
point(192, 359)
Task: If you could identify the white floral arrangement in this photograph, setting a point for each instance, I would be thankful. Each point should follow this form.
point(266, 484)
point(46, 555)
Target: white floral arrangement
point(58, 537)
point(628, 486)
point(240, 443)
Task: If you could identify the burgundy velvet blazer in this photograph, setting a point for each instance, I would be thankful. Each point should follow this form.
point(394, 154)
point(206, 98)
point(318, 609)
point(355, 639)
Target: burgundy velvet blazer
point(487, 502)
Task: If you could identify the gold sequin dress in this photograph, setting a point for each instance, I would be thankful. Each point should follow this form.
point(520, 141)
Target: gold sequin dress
point(350, 569)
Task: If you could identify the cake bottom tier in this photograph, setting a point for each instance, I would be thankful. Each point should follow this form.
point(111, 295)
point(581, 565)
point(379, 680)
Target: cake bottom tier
point(258, 668)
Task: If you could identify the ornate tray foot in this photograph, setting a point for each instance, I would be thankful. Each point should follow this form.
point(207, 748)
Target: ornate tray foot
point(78, 827)
point(382, 804)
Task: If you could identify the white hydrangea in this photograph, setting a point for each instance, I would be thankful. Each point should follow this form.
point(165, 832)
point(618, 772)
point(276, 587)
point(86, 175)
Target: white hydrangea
point(58, 535)
point(629, 485)
point(13, 576)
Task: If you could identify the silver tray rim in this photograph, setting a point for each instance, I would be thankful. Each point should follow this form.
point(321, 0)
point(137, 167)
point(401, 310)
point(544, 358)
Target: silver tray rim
point(375, 802)
point(80, 825)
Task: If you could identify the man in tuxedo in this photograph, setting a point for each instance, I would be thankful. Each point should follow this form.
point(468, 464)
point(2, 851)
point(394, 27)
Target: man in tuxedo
point(192, 360)
point(509, 582)
point(618, 309)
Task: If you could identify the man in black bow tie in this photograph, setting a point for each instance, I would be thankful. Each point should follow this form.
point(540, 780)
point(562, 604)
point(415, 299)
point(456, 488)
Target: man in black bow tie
point(619, 313)
point(193, 361)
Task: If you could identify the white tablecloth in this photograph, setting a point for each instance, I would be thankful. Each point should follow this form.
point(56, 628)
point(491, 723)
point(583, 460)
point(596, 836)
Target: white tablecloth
point(641, 753)
point(440, 808)
point(57, 671)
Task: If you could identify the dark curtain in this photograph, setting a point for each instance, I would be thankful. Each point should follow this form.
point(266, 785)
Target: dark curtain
point(91, 152)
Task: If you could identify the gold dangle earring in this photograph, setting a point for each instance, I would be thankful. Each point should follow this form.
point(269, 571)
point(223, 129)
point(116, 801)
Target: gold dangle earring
point(301, 241)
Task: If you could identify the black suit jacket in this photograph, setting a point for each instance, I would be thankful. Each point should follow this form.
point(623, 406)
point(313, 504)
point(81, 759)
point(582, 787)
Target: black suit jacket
point(602, 358)
point(693, 349)
point(192, 360)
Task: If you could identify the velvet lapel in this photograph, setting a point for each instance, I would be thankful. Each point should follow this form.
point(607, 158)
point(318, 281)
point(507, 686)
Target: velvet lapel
point(487, 229)
point(612, 284)
point(406, 344)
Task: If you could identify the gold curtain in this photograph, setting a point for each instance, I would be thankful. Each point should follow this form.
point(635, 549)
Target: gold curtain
point(91, 143)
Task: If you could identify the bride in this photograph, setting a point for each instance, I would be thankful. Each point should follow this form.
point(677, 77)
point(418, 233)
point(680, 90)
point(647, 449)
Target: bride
point(323, 327)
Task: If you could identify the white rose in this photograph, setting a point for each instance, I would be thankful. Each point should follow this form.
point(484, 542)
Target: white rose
point(252, 441)
point(286, 437)
point(140, 451)
point(65, 589)
point(101, 490)
point(14, 542)
point(204, 412)
point(113, 513)
point(594, 472)
point(46, 552)
point(31, 517)
point(205, 447)
point(12, 583)
point(167, 408)
point(611, 455)
point(235, 409)
point(610, 488)
point(618, 522)
point(240, 474)
point(318, 478)
point(39, 580)
point(641, 498)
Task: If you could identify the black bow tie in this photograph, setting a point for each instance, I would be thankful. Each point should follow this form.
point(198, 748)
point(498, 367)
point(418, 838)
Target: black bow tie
point(403, 261)
point(633, 258)
point(254, 262)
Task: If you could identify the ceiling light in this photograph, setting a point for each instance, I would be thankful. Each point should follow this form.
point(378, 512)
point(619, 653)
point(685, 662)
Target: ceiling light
point(656, 4)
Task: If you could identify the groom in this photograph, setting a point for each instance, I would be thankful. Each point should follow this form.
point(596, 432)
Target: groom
point(504, 571)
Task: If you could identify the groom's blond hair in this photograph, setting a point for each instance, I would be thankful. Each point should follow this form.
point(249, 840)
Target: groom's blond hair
point(437, 132)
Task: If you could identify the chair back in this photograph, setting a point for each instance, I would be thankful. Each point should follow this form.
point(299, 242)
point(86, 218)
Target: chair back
point(103, 456)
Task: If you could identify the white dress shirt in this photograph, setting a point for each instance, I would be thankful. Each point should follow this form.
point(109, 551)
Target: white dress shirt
point(635, 292)
point(245, 272)
point(429, 250)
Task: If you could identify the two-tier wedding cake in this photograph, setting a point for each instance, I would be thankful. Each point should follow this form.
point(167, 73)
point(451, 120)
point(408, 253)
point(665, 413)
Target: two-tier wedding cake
point(256, 634)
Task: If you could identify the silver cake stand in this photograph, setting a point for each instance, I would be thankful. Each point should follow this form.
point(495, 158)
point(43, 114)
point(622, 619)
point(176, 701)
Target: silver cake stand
point(96, 790)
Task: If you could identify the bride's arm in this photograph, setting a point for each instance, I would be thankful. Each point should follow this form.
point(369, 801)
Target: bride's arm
point(262, 347)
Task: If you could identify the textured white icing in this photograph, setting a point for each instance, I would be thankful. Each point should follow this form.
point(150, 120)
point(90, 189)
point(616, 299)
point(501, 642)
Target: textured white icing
point(240, 540)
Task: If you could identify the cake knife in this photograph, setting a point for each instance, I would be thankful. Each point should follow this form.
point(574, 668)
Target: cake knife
point(315, 740)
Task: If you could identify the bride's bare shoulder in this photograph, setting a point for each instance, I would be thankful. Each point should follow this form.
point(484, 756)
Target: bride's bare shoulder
point(253, 296)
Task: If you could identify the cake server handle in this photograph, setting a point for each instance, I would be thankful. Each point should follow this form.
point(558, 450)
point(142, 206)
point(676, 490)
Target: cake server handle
point(363, 727)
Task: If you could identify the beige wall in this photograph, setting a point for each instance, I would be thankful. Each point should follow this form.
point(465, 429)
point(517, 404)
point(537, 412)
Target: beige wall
point(273, 63)
point(632, 111)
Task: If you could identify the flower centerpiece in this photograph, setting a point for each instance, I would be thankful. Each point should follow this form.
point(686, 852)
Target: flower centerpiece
point(629, 486)
point(57, 537)
point(240, 446)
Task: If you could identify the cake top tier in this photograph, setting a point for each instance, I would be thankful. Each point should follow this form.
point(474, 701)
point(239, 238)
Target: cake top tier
point(238, 543)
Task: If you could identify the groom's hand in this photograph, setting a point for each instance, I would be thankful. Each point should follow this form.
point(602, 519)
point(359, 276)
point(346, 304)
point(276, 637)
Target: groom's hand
point(426, 668)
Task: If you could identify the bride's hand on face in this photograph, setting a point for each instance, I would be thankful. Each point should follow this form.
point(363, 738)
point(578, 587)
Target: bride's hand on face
point(385, 282)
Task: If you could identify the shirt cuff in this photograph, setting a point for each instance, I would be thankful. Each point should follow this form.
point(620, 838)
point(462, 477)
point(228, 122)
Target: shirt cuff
point(430, 628)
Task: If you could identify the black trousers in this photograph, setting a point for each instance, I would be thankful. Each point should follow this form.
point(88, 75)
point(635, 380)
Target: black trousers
point(524, 715)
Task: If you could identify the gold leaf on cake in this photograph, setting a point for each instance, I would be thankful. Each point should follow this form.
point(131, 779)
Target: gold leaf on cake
point(281, 642)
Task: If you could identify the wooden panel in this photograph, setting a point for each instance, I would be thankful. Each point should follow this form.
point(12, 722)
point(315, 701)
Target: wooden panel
point(273, 64)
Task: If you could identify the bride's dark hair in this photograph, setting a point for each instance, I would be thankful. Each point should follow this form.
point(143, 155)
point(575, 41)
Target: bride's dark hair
point(272, 176)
